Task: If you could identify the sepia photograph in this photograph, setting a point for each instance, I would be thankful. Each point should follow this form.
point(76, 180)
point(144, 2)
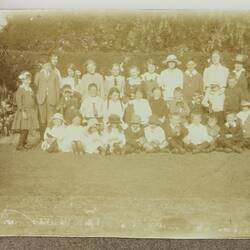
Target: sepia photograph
point(125, 123)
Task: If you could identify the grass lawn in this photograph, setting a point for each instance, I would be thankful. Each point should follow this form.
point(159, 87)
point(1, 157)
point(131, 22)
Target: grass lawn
point(143, 195)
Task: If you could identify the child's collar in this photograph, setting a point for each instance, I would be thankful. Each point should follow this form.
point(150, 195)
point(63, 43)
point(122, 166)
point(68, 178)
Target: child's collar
point(191, 73)
point(231, 125)
point(25, 87)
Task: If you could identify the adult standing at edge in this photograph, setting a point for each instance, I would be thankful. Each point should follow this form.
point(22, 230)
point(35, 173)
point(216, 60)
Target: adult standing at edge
point(47, 84)
point(91, 77)
point(216, 73)
point(171, 77)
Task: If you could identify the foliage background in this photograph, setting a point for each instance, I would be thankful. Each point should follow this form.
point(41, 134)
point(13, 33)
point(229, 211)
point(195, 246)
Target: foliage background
point(108, 37)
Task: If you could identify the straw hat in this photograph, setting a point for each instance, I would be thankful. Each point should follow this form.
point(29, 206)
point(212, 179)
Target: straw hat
point(171, 58)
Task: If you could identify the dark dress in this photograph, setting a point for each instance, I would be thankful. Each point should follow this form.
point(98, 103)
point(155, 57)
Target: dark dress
point(25, 101)
point(159, 107)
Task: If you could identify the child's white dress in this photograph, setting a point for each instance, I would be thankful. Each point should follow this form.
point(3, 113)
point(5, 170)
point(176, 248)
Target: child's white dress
point(197, 134)
point(112, 107)
point(155, 134)
point(95, 140)
point(142, 108)
point(74, 133)
point(214, 100)
point(114, 136)
point(57, 132)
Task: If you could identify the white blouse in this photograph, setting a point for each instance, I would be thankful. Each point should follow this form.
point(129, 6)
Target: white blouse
point(142, 109)
point(112, 107)
point(169, 79)
point(215, 74)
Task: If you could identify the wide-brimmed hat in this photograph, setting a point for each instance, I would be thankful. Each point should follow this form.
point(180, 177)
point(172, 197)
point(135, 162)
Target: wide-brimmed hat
point(154, 120)
point(114, 119)
point(171, 58)
point(135, 119)
point(245, 103)
point(241, 59)
point(58, 116)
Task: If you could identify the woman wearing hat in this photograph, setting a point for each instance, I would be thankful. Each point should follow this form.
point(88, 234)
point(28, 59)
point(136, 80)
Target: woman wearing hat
point(171, 77)
point(26, 117)
point(216, 72)
point(193, 82)
point(240, 75)
point(89, 78)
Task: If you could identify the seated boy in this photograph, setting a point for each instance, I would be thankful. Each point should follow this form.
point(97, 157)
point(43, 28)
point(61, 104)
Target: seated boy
point(244, 117)
point(231, 135)
point(197, 139)
point(175, 132)
point(213, 130)
point(134, 135)
point(155, 136)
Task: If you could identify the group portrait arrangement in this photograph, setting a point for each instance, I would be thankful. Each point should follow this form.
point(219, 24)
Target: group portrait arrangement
point(133, 109)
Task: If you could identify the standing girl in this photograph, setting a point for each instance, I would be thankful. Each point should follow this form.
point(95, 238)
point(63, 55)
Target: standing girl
point(26, 117)
point(150, 79)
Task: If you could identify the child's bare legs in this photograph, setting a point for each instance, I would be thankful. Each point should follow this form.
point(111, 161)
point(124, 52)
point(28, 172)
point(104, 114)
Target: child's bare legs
point(79, 147)
point(74, 147)
point(177, 146)
point(53, 147)
point(22, 139)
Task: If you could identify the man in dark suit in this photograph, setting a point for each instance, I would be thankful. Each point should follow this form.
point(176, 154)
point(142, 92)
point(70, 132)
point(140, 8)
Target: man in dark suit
point(47, 83)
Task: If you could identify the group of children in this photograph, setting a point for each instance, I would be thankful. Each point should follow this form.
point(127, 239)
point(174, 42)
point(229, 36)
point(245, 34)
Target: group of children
point(173, 111)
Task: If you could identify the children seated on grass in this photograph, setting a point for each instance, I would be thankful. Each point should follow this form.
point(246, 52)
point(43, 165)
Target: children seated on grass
point(175, 133)
point(158, 105)
point(155, 137)
point(213, 130)
point(54, 136)
point(92, 105)
point(197, 139)
point(134, 134)
point(244, 117)
point(115, 80)
point(75, 135)
point(149, 79)
point(231, 138)
point(96, 143)
point(114, 135)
